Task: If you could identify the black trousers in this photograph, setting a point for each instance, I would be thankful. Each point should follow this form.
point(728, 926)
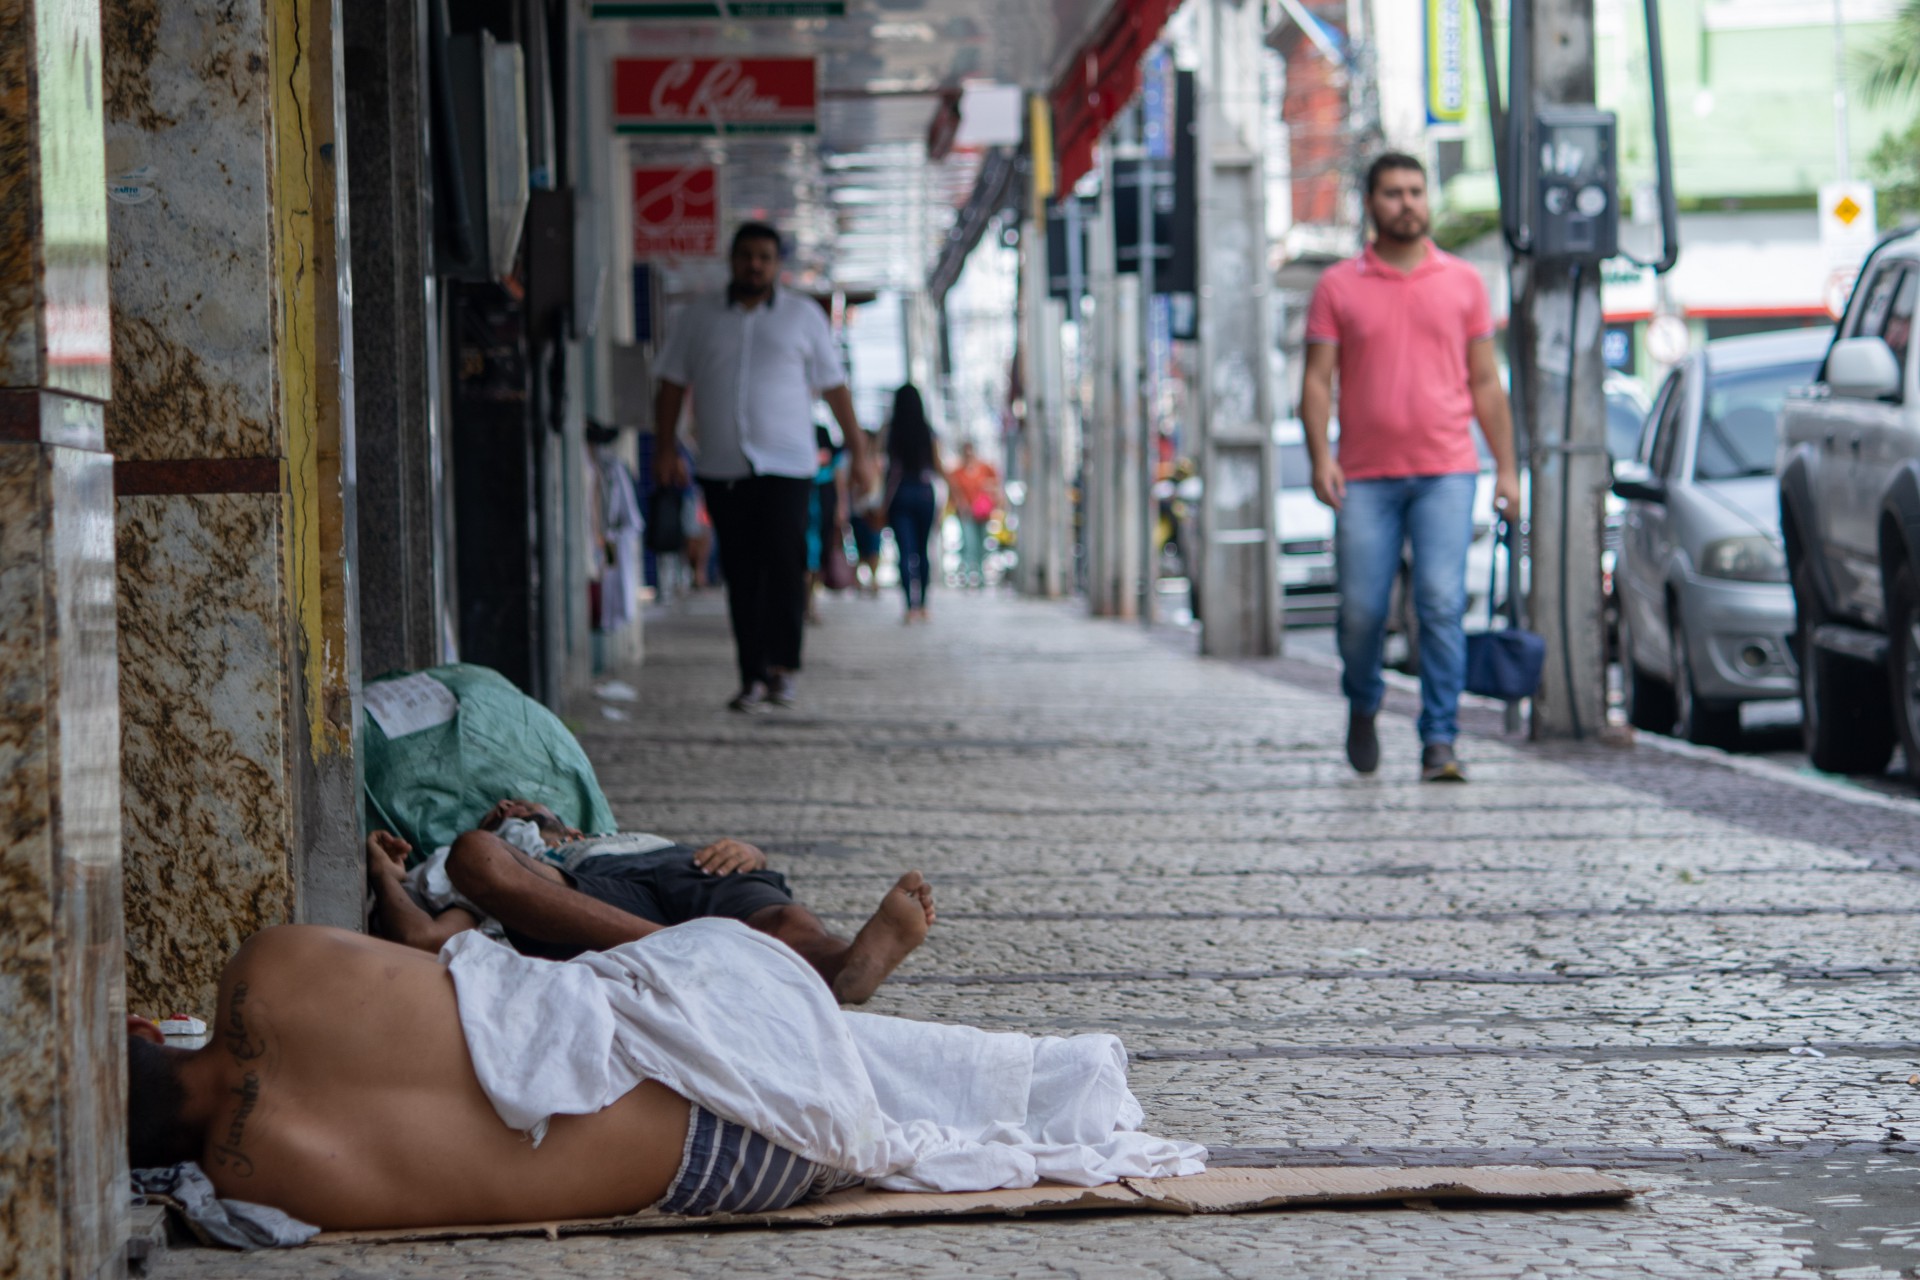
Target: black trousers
point(761, 525)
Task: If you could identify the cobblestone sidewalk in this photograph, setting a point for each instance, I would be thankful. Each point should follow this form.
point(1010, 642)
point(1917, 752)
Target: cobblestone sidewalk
point(1705, 980)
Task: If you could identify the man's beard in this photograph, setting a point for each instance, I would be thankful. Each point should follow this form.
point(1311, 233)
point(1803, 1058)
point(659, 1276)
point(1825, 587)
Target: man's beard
point(1415, 229)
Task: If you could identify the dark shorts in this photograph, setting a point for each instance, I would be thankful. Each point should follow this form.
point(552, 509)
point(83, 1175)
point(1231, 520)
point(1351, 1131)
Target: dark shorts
point(665, 887)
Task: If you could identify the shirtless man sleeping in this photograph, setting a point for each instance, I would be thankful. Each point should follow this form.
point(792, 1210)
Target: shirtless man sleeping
point(358, 1084)
point(616, 889)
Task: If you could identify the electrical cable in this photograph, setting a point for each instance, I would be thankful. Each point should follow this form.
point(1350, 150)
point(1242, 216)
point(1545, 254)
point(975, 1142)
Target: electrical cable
point(1566, 500)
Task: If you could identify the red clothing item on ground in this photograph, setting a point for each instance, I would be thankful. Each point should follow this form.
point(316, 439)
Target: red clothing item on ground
point(1404, 404)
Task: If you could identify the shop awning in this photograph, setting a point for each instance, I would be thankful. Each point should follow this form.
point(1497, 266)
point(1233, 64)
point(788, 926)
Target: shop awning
point(1102, 79)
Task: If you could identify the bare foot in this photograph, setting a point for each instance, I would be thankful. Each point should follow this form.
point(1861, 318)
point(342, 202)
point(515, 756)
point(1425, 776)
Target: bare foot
point(898, 927)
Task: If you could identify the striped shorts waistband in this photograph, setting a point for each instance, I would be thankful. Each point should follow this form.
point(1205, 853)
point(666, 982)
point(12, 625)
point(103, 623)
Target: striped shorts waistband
point(728, 1168)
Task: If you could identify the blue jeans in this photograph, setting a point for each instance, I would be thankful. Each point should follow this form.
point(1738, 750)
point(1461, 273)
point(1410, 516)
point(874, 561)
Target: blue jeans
point(1435, 514)
point(911, 516)
point(973, 549)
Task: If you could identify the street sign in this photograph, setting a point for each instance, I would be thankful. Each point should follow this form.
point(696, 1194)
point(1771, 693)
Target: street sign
point(676, 212)
point(1446, 63)
point(1061, 265)
point(1847, 222)
point(641, 10)
point(715, 95)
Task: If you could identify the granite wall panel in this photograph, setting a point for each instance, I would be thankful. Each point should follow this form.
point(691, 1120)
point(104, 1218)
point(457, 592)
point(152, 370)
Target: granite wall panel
point(63, 1201)
point(205, 743)
point(193, 266)
point(29, 1057)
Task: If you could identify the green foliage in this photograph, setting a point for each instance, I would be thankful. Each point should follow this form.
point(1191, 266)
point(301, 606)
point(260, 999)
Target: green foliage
point(1893, 72)
point(1894, 170)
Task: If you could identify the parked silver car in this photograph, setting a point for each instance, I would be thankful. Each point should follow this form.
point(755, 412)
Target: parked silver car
point(1705, 610)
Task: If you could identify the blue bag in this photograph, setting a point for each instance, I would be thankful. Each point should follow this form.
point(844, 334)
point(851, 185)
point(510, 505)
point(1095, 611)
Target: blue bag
point(1504, 664)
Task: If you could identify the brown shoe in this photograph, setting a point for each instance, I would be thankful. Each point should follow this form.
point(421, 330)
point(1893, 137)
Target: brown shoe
point(1439, 764)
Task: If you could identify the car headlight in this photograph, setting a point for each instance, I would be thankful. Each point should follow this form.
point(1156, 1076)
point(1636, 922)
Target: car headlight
point(1750, 559)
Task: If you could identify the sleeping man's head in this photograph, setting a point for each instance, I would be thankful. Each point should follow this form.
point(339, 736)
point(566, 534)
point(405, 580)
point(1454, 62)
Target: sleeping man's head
point(552, 829)
point(158, 1130)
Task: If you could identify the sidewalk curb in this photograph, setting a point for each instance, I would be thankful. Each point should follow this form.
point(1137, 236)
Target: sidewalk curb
point(1820, 784)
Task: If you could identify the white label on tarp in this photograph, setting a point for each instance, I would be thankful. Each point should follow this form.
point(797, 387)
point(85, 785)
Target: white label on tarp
point(410, 704)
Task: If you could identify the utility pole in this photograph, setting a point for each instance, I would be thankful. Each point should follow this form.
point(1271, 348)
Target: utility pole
point(1559, 354)
point(1842, 149)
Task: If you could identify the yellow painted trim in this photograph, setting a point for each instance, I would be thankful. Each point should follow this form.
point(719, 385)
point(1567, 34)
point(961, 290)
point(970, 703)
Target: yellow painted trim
point(1040, 144)
point(295, 235)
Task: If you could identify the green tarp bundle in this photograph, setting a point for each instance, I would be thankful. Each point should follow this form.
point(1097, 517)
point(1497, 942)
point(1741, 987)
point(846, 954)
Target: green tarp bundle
point(447, 764)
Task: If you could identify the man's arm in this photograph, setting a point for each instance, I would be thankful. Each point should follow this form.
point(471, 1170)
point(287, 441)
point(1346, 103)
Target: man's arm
point(402, 919)
point(1316, 413)
point(840, 400)
point(1496, 424)
point(669, 472)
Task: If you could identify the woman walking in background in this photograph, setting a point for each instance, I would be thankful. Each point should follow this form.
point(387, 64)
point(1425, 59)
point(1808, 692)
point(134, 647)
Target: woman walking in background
point(913, 461)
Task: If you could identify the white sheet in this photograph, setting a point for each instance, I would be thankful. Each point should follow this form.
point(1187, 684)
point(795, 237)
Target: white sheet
point(739, 1023)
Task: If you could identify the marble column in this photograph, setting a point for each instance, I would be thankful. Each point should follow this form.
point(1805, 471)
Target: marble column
point(62, 1049)
point(232, 430)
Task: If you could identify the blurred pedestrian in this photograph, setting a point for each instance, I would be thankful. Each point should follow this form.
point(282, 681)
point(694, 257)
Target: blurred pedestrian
point(913, 463)
point(1410, 333)
point(973, 495)
point(755, 357)
point(869, 519)
point(827, 524)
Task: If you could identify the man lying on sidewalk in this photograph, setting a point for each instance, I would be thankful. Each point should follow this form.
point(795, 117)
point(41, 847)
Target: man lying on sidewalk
point(358, 1084)
point(620, 888)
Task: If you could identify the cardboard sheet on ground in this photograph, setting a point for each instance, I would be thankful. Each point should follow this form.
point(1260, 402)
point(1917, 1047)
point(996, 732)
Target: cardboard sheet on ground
point(1215, 1191)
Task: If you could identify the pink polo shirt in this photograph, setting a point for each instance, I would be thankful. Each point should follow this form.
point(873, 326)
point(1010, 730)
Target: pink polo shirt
point(1405, 409)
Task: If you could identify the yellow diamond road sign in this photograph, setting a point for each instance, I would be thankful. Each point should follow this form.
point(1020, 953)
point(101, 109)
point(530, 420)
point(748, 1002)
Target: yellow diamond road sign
point(1847, 210)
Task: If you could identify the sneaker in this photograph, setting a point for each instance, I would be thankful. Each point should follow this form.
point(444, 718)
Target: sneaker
point(780, 689)
point(1363, 744)
point(1439, 764)
point(750, 699)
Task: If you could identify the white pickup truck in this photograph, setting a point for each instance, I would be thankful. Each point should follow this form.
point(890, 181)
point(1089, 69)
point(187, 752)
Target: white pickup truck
point(1849, 469)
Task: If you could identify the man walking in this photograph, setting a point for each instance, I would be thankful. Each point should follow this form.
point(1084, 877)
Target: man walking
point(1409, 331)
point(755, 357)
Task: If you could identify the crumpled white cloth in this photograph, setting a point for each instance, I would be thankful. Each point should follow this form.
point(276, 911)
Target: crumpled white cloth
point(736, 1021)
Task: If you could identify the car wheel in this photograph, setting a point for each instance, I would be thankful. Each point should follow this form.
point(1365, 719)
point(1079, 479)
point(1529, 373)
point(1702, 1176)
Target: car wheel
point(1903, 665)
point(1844, 718)
point(1705, 723)
point(1649, 700)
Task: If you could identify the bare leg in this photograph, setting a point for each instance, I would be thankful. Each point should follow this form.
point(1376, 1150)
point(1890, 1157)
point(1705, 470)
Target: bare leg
point(533, 898)
point(855, 970)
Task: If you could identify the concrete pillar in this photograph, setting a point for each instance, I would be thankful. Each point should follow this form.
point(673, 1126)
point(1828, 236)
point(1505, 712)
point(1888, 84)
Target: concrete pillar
point(1100, 356)
point(1239, 591)
point(1045, 519)
point(1123, 481)
point(62, 1055)
point(402, 592)
point(232, 425)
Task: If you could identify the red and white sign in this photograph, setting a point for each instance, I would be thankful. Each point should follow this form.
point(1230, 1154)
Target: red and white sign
point(715, 95)
point(676, 213)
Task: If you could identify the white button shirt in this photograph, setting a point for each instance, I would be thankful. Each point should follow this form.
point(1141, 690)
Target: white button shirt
point(754, 377)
